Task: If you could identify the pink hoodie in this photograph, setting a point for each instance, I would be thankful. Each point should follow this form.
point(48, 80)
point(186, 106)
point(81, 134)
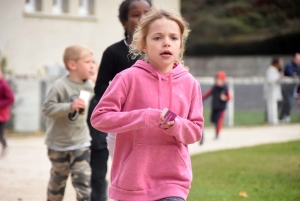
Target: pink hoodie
point(150, 163)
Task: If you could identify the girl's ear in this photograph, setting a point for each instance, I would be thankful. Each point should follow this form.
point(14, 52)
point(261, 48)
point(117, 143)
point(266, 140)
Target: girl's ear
point(145, 50)
point(144, 47)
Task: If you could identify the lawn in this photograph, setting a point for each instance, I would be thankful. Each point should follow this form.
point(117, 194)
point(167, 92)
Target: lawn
point(247, 118)
point(267, 173)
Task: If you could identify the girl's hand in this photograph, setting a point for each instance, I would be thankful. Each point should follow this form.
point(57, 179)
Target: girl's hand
point(77, 104)
point(165, 126)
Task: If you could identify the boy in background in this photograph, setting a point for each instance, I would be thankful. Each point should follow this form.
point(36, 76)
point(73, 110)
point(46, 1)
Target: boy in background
point(67, 133)
point(220, 97)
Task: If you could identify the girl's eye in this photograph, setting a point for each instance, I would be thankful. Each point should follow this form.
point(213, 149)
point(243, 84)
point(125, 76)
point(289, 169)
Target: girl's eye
point(156, 38)
point(174, 38)
point(136, 15)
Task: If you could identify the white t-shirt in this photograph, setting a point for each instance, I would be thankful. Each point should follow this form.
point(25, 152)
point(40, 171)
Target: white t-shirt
point(111, 140)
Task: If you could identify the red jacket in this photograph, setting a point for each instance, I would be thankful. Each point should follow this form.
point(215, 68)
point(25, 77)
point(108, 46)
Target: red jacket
point(6, 100)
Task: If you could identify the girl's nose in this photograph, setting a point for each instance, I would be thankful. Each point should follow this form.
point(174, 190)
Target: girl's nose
point(166, 43)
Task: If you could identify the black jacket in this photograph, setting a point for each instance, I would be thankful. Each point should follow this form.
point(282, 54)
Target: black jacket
point(114, 60)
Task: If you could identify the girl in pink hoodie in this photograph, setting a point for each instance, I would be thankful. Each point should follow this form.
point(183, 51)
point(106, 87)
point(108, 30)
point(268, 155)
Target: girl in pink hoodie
point(151, 161)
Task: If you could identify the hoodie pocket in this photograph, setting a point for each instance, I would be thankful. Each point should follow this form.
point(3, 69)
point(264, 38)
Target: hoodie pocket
point(151, 166)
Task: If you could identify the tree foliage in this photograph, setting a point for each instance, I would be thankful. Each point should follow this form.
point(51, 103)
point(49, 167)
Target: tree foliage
point(223, 22)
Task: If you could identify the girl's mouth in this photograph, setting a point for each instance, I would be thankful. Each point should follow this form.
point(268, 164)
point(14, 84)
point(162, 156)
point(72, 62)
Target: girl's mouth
point(166, 53)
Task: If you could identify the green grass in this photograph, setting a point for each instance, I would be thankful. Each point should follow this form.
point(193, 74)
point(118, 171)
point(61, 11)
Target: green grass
point(267, 173)
point(247, 118)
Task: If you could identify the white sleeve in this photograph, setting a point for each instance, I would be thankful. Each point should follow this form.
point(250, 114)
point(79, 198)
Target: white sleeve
point(111, 140)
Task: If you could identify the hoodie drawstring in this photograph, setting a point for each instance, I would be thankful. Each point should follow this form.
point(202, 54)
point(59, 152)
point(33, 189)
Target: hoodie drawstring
point(159, 92)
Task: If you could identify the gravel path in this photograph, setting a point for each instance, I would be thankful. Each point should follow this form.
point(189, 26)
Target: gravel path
point(24, 171)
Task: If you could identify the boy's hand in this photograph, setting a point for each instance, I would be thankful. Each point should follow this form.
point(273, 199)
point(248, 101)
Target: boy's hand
point(223, 97)
point(165, 126)
point(77, 104)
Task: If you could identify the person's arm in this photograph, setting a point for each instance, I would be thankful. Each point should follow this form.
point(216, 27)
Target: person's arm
point(52, 107)
point(207, 94)
point(109, 118)
point(189, 130)
point(228, 96)
point(106, 73)
point(8, 98)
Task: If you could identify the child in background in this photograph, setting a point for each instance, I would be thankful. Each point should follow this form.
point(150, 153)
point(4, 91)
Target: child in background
point(151, 160)
point(114, 60)
point(67, 133)
point(220, 97)
point(6, 100)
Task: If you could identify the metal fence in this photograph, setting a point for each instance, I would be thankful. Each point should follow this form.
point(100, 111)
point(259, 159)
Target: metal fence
point(247, 97)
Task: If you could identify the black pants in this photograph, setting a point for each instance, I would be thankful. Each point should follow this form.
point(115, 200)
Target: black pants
point(287, 93)
point(2, 137)
point(99, 157)
point(99, 168)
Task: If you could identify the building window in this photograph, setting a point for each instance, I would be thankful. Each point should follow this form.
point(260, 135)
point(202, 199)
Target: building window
point(60, 7)
point(86, 7)
point(32, 6)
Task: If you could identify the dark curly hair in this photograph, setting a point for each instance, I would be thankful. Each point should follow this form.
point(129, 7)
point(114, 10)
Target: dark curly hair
point(123, 11)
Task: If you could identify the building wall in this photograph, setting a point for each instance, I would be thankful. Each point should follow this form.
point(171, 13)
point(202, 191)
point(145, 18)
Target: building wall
point(31, 42)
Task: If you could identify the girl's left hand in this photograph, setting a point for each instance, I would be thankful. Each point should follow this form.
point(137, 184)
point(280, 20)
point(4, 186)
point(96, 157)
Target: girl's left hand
point(166, 126)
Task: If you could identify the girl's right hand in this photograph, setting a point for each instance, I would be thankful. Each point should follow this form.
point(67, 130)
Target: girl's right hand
point(165, 126)
point(77, 104)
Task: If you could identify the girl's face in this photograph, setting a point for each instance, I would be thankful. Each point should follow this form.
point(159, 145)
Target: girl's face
point(163, 44)
point(136, 10)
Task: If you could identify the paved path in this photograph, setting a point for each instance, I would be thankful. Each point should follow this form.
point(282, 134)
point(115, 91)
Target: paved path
point(246, 137)
point(24, 172)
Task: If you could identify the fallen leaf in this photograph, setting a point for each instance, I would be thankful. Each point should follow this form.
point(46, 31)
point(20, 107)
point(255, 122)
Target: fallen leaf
point(243, 194)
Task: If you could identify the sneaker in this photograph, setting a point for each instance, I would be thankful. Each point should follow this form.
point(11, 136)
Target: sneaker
point(287, 119)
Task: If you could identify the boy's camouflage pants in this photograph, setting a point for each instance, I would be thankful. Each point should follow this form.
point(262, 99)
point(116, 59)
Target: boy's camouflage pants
point(76, 162)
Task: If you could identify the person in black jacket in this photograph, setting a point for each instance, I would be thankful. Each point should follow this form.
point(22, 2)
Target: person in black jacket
point(220, 97)
point(114, 60)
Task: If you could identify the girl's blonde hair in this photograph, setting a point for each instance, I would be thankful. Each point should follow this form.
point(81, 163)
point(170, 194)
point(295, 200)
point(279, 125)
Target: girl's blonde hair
point(140, 34)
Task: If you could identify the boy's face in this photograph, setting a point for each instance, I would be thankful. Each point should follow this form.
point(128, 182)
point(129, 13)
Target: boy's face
point(219, 82)
point(84, 67)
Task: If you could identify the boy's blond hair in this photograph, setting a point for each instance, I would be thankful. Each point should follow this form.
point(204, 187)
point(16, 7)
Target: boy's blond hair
point(140, 34)
point(74, 53)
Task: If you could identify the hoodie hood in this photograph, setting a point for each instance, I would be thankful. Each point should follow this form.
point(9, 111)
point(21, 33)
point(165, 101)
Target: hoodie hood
point(177, 72)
